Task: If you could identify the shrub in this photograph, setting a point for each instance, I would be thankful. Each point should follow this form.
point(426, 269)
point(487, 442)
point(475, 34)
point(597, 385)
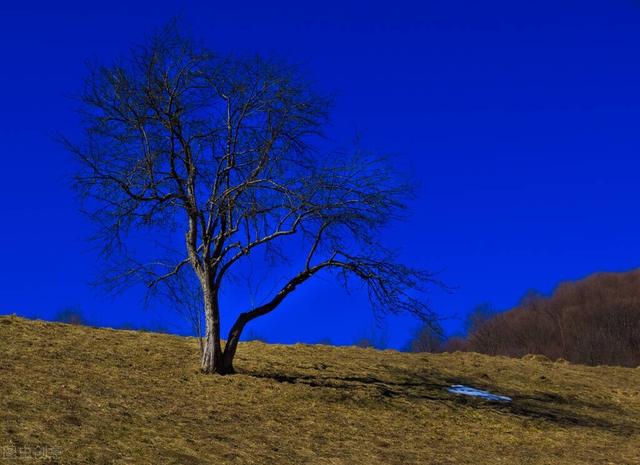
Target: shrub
point(71, 315)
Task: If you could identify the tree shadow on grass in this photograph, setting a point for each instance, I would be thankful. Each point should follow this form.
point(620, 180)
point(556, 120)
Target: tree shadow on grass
point(422, 388)
point(565, 411)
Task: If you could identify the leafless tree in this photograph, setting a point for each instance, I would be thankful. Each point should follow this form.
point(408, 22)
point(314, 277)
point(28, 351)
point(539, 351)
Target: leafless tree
point(429, 338)
point(226, 151)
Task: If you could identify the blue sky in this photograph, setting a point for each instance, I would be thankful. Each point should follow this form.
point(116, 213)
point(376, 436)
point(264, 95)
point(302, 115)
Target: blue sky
point(519, 118)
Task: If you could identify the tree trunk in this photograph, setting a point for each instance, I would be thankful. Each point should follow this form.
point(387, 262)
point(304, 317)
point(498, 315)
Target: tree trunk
point(212, 352)
point(232, 345)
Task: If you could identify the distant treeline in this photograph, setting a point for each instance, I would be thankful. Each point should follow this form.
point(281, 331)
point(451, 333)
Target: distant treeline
point(595, 321)
point(75, 316)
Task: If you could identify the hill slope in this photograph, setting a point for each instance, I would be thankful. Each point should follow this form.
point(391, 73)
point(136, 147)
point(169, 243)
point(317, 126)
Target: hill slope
point(99, 396)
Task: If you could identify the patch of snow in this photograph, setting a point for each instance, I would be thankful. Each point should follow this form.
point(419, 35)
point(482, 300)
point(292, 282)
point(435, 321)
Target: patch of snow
point(469, 391)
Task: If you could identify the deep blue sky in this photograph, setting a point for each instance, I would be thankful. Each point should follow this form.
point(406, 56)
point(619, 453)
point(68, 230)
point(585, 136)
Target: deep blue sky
point(519, 117)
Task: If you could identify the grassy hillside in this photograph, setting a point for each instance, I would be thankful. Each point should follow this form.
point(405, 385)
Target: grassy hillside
point(99, 396)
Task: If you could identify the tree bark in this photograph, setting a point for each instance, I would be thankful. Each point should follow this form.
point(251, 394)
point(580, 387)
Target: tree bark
point(212, 353)
point(232, 345)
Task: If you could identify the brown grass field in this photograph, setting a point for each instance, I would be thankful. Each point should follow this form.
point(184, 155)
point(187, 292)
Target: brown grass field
point(81, 395)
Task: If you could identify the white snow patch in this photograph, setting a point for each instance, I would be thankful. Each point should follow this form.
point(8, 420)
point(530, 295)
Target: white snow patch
point(469, 391)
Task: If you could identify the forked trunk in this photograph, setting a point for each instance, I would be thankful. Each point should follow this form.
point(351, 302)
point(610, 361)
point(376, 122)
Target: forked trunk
point(214, 359)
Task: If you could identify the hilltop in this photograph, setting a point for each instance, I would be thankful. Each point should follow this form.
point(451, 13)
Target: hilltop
point(591, 321)
point(102, 396)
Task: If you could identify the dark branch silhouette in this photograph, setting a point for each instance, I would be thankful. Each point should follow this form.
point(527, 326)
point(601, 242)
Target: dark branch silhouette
point(225, 151)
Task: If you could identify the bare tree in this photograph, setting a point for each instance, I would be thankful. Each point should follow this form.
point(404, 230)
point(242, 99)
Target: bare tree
point(429, 338)
point(225, 151)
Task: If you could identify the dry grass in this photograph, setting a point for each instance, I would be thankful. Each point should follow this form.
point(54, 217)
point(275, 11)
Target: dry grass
point(124, 397)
